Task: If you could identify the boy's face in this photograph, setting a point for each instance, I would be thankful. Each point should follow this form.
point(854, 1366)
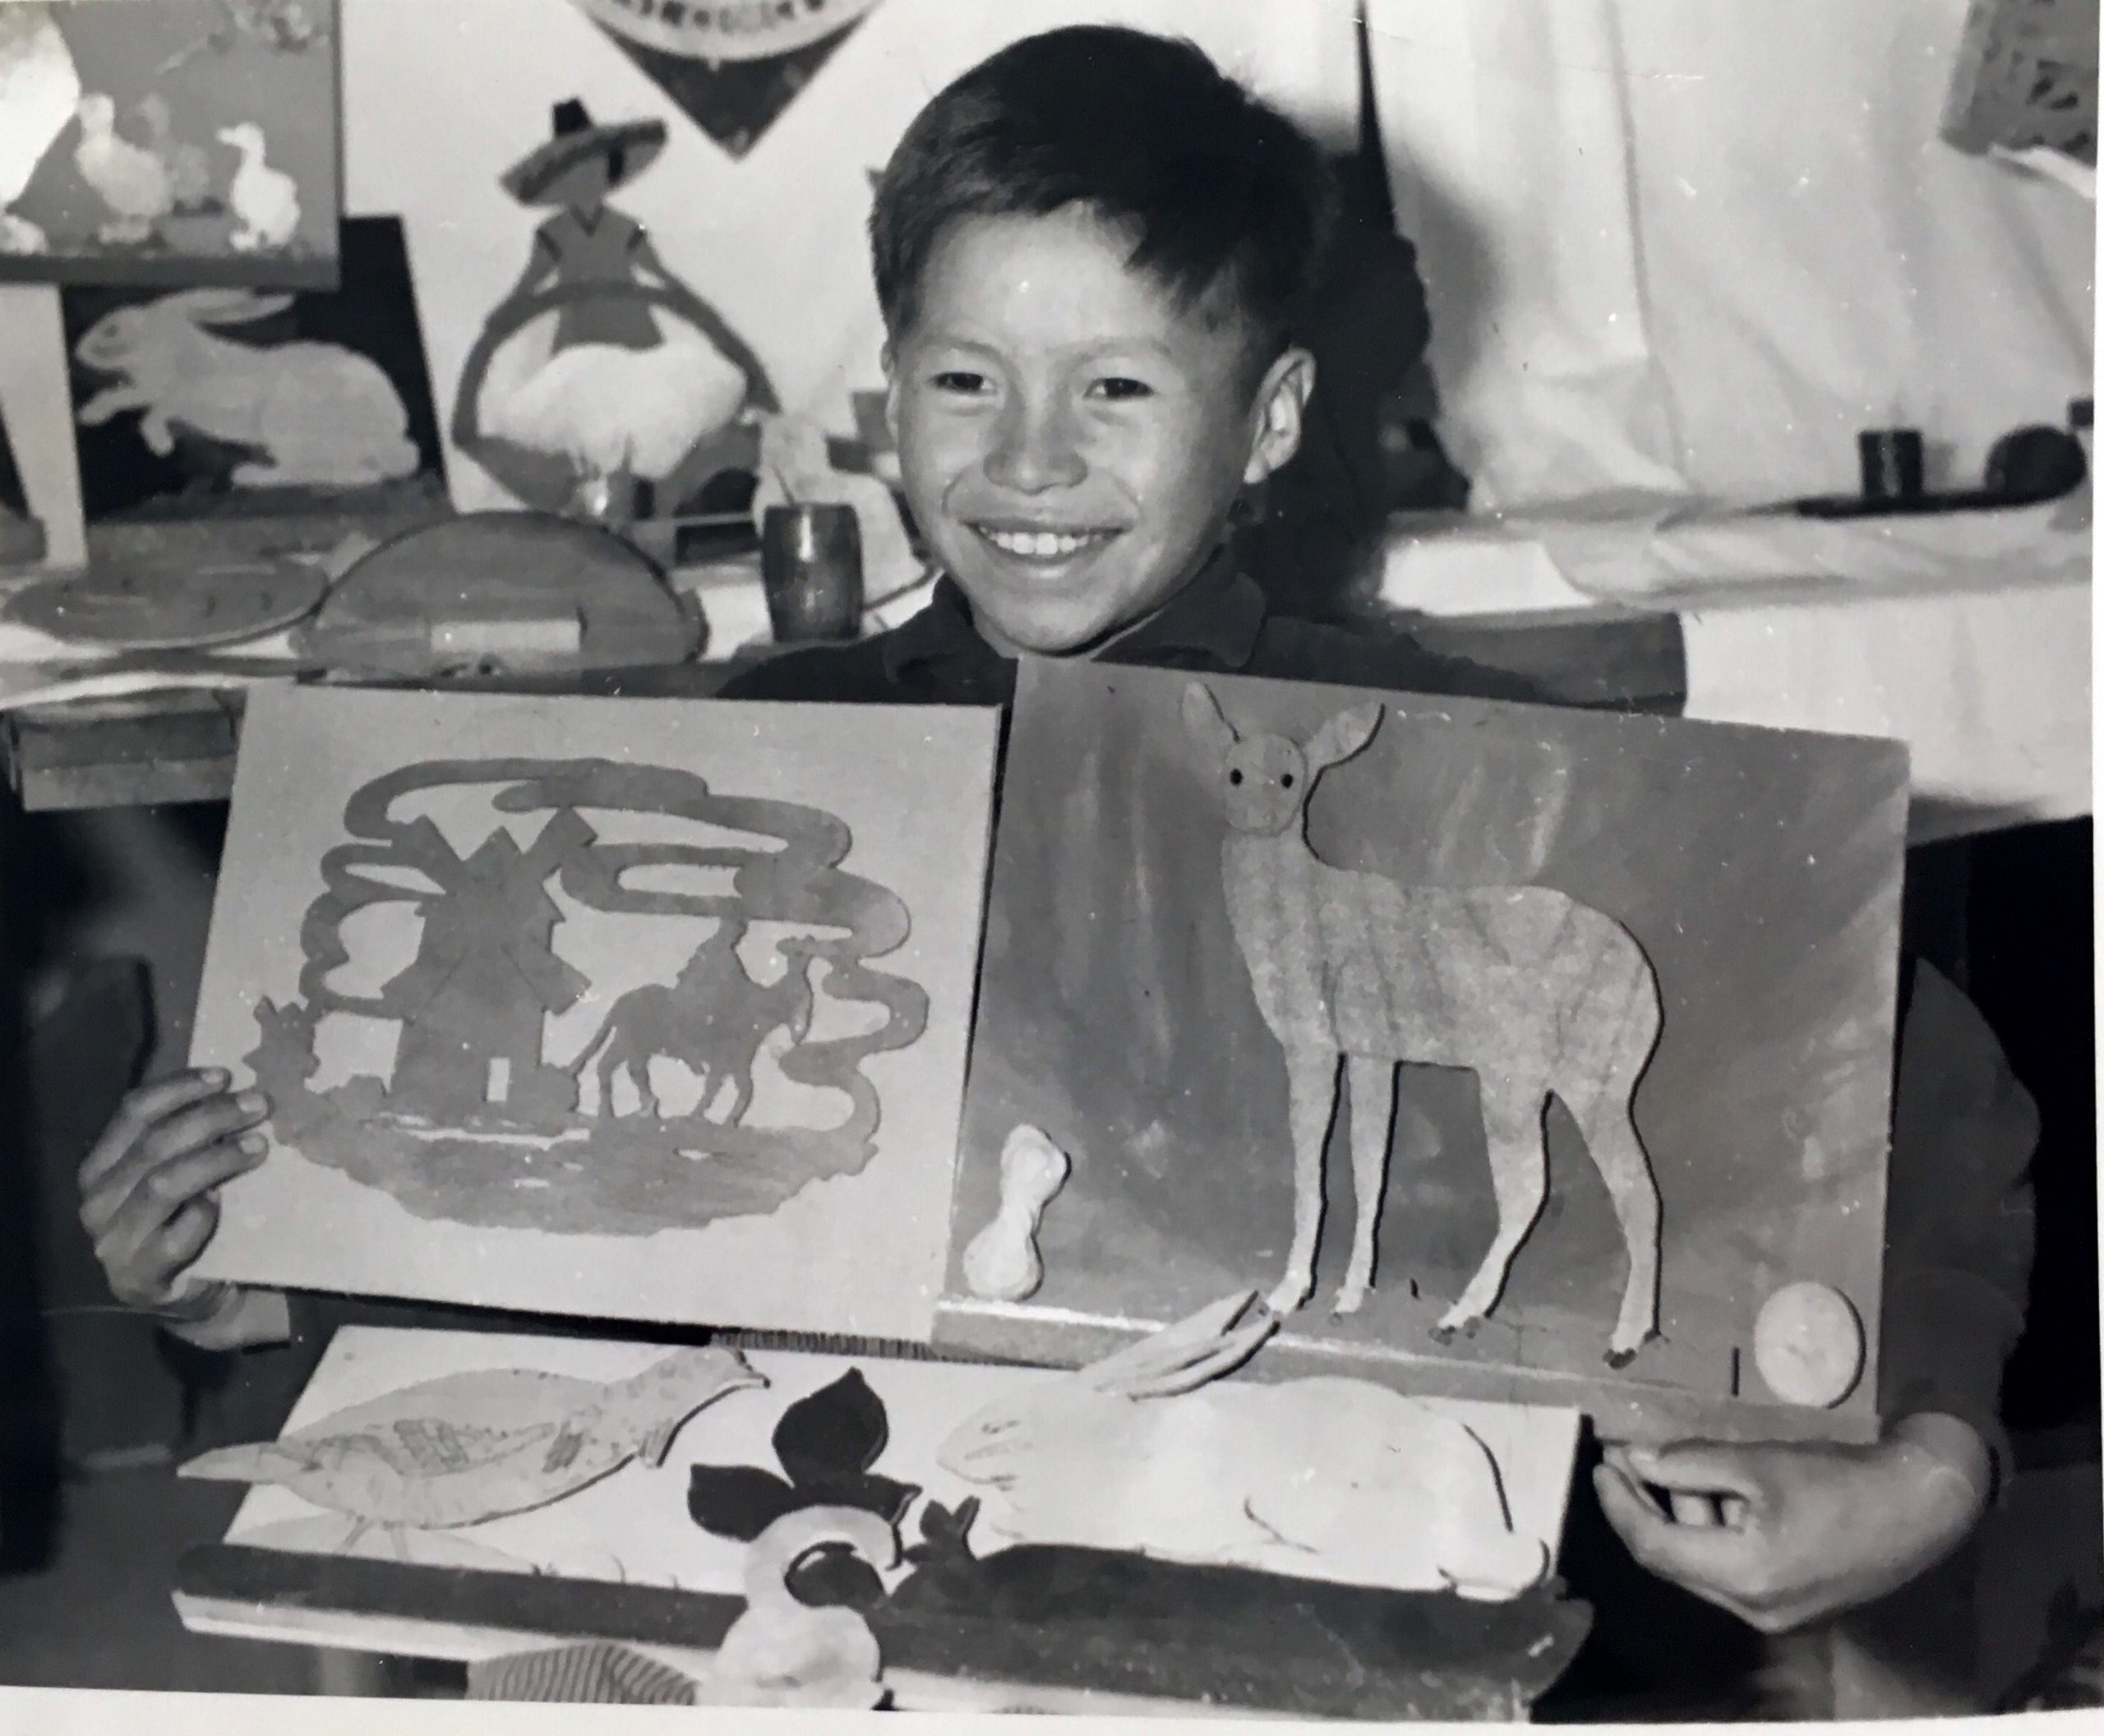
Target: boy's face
point(1070, 440)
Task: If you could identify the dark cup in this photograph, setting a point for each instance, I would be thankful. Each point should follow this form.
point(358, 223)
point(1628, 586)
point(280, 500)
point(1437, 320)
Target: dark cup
point(1892, 463)
point(810, 564)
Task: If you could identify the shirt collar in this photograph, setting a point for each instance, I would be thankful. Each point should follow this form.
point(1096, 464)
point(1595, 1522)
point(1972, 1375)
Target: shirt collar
point(1217, 617)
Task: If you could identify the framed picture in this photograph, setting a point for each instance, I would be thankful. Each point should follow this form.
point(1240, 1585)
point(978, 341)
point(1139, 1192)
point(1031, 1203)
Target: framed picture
point(171, 142)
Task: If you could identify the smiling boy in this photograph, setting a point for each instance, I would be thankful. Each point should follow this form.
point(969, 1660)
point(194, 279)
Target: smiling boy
point(1092, 252)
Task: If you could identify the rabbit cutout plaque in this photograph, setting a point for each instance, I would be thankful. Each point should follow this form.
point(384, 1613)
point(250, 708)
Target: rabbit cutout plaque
point(1147, 1452)
point(317, 415)
point(1003, 1263)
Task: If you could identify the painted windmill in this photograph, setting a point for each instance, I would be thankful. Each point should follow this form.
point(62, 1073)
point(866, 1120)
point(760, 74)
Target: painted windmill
point(474, 1001)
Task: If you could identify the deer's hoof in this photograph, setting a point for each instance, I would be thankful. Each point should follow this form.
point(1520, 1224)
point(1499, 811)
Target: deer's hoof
point(1622, 1357)
point(1289, 1296)
point(1348, 1300)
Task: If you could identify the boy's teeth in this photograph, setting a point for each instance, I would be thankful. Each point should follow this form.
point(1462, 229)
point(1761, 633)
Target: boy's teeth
point(1038, 545)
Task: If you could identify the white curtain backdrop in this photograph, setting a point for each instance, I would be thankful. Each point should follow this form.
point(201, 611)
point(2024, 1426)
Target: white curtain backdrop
point(1695, 248)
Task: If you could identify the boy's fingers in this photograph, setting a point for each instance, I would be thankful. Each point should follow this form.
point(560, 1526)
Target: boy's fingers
point(1701, 1557)
point(1697, 1468)
point(205, 1124)
point(185, 1238)
point(140, 1110)
point(126, 1241)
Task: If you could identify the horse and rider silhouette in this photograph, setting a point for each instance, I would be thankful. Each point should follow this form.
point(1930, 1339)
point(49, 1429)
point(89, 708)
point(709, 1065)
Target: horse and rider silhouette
point(712, 1019)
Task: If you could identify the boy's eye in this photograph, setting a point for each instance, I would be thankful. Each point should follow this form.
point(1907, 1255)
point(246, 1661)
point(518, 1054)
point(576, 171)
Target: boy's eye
point(960, 380)
point(1121, 388)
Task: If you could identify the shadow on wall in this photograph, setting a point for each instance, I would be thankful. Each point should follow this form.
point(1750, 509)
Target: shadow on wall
point(1312, 537)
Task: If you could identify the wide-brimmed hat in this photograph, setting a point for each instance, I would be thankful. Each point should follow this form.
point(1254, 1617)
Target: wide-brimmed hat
point(574, 138)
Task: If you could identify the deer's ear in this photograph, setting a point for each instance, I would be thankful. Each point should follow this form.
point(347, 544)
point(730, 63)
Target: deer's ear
point(1207, 723)
point(1342, 735)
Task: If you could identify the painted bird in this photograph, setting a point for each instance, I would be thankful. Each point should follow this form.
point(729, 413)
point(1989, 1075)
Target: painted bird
point(466, 1447)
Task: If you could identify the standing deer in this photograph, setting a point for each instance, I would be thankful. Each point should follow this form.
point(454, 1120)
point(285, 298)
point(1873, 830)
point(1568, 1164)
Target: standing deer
point(1535, 993)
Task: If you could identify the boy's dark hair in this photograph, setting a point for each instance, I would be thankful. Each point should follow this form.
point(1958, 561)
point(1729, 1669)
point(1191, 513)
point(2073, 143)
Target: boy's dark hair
point(1217, 189)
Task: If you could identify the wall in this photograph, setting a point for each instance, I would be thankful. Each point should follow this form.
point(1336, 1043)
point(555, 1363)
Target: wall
point(442, 95)
point(1698, 248)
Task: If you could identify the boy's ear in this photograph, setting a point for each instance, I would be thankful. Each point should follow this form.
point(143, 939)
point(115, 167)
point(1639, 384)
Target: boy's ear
point(1281, 407)
point(889, 358)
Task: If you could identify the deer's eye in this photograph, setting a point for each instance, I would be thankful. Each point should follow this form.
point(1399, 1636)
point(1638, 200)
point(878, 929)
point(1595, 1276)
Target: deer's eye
point(1234, 778)
point(1286, 781)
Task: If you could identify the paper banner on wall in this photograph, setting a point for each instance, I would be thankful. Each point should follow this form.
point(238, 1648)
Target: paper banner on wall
point(624, 1010)
point(733, 68)
point(184, 142)
point(1243, 933)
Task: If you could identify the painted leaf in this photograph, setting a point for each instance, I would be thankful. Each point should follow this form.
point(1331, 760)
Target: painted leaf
point(882, 1496)
point(738, 1501)
point(836, 1431)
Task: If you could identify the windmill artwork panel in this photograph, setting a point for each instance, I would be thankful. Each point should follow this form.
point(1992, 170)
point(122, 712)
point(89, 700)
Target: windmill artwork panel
point(622, 1008)
point(1516, 1052)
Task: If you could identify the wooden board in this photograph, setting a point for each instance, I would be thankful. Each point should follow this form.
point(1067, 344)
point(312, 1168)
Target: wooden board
point(623, 1009)
point(1758, 871)
point(622, 1560)
point(185, 143)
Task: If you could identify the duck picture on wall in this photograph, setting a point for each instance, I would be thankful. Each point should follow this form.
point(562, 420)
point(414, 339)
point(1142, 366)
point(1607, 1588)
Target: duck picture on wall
point(191, 142)
point(602, 384)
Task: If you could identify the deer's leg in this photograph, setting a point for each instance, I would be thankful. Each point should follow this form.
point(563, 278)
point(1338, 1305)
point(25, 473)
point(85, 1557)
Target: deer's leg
point(1617, 1151)
point(1312, 1091)
point(1518, 1179)
point(1372, 1083)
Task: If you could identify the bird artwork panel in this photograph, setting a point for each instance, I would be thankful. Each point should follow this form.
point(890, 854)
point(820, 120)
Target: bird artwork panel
point(639, 1009)
point(1544, 1053)
point(192, 142)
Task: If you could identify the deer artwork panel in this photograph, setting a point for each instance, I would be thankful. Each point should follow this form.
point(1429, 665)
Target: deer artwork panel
point(646, 998)
point(1507, 1052)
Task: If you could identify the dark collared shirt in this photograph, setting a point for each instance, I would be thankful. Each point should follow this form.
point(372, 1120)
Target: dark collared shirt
point(1218, 624)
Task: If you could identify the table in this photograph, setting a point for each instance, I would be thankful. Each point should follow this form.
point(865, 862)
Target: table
point(1986, 680)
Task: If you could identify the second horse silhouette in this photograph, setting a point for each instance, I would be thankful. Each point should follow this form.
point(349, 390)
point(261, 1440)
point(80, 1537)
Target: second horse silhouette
point(1535, 993)
point(714, 1019)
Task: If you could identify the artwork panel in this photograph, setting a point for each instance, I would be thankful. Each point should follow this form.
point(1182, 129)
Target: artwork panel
point(591, 1105)
point(1757, 873)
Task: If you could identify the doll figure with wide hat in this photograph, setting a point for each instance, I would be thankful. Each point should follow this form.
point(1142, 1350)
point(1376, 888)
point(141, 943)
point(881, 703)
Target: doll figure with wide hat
point(601, 369)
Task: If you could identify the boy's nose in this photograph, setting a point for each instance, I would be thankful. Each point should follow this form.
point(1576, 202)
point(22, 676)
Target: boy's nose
point(1033, 451)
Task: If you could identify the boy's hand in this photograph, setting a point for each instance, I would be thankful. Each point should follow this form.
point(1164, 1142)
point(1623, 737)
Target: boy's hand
point(1782, 1536)
point(149, 1190)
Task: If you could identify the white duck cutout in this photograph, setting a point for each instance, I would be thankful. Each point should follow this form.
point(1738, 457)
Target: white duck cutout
point(265, 200)
point(1327, 1478)
point(780, 1652)
point(39, 90)
point(131, 182)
